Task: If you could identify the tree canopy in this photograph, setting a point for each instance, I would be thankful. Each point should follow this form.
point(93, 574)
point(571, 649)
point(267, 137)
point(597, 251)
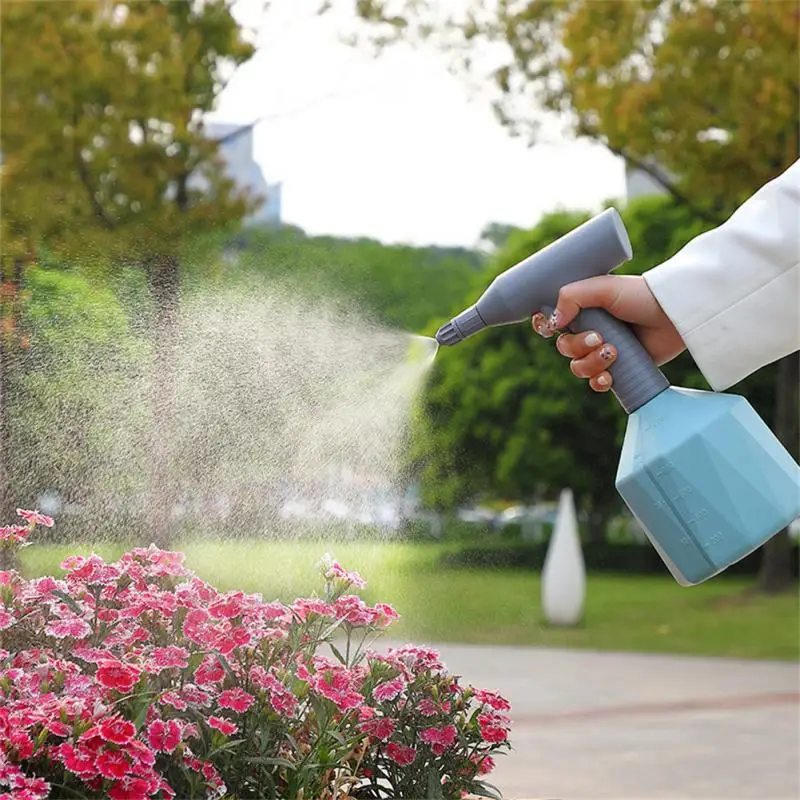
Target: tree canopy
point(701, 94)
point(101, 132)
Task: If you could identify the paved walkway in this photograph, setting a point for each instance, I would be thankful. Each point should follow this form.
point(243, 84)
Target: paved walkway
point(591, 725)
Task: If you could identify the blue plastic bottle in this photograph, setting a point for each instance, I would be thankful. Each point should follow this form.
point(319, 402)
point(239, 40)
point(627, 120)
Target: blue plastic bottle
point(706, 468)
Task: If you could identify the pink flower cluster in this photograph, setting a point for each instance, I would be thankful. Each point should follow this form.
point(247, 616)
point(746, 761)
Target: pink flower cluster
point(129, 680)
point(17, 535)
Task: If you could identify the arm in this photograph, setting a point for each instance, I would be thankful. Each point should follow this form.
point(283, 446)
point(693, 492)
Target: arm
point(733, 293)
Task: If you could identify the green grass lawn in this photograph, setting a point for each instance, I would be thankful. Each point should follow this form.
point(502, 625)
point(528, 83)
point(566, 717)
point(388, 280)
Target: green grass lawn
point(647, 614)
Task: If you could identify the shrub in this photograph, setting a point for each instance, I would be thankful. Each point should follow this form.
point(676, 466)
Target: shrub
point(136, 679)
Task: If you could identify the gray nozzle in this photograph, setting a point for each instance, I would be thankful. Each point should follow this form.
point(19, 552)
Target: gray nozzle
point(461, 327)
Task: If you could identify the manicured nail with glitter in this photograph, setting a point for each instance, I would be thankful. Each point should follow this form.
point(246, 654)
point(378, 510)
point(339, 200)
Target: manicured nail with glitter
point(555, 319)
point(540, 325)
point(605, 353)
point(602, 380)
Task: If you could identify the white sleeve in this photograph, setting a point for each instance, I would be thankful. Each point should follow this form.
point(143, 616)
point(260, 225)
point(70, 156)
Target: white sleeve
point(733, 292)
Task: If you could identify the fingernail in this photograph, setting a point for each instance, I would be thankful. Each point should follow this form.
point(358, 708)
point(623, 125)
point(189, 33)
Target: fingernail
point(605, 353)
point(540, 325)
point(603, 380)
point(555, 319)
point(592, 340)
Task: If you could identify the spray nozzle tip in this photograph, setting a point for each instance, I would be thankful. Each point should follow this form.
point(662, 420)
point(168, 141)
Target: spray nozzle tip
point(460, 327)
point(448, 335)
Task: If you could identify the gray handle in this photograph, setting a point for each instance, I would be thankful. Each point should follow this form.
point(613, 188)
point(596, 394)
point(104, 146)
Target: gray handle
point(636, 378)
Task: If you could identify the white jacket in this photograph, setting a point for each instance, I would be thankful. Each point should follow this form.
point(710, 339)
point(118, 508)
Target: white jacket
point(733, 293)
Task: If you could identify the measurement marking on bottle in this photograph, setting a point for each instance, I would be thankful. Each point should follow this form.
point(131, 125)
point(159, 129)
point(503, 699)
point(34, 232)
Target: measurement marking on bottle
point(681, 493)
point(697, 516)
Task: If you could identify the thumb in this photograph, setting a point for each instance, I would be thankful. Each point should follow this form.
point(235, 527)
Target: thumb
point(603, 291)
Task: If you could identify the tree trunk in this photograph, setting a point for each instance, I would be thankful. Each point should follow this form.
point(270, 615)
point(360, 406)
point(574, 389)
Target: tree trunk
point(596, 525)
point(163, 276)
point(8, 329)
point(6, 500)
point(775, 573)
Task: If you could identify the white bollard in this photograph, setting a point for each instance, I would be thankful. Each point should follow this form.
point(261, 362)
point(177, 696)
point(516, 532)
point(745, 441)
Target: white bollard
point(564, 572)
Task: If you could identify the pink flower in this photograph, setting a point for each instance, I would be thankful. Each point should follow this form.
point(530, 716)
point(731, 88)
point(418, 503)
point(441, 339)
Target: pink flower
point(494, 727)
point(427, 707)
point(74, 628)
point(492, 699)
point(117, 730)
point(6, 619)
point(401, 754)
point(35, 518)
point(172, 699)
point(485, 764)
point(14, 533)
point(80, 761)
point(306, 606)
point(222, 725)
point(227, 641)
point(227, 607)
point(439, 738)
point(57, 728)
point(170, 657)
point(116, 675)
point(195, 696)
point(30, 788)
point(236, 699)
point(381, 728)
point(353, 609)
point(336, 572)
point(141, 754)
point(334, 685)
point(366, 712)
point(390, 689)
point(384, 615)
point(129, 790)
point(164, 736)
point(419, 659)
point(112, 764)
point(282, 700)
point(210, 671)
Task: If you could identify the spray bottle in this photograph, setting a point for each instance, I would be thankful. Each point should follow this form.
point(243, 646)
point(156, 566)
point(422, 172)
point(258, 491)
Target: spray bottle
point(701, 472)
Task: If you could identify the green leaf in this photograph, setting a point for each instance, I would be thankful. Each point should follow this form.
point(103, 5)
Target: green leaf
point(141, 713)
point(68, 600)
point(485, 790)
point(272, 761)
point(434, 786)
point(337, 653)
point(229, 745)
point(194, 661)
point(226, 666)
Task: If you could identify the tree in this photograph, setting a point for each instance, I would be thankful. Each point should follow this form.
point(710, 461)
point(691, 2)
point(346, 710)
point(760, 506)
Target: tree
point(702, 95)
point(104, 150)
point(400, 286)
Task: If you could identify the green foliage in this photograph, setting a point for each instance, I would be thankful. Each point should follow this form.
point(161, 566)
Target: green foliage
point(100, 136)
point(78, 347)
point(401, 286)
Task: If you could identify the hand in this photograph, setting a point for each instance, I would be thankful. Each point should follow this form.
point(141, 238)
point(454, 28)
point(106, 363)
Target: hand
point(628, 298)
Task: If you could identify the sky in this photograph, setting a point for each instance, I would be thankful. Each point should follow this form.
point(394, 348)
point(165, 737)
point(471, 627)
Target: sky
point(393, 147)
